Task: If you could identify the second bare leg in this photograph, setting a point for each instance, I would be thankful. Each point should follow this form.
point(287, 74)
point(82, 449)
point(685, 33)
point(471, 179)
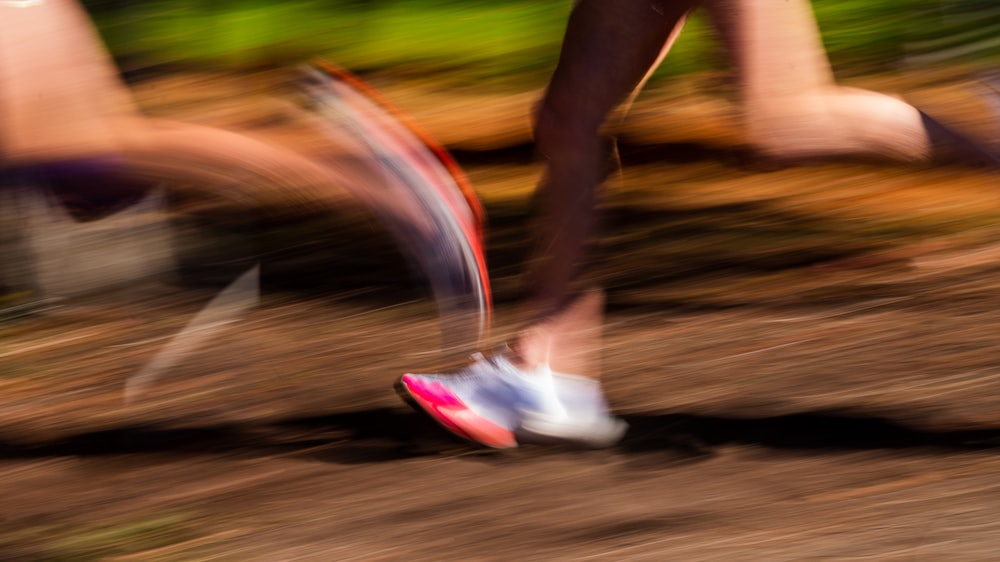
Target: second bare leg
point(793, 108)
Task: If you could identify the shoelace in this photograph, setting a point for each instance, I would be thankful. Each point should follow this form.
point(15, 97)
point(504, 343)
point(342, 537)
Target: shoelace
point(483, 367)
point(538, 383)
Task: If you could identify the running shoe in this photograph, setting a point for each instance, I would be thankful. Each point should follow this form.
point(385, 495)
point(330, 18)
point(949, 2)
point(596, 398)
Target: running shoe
point(495, 403)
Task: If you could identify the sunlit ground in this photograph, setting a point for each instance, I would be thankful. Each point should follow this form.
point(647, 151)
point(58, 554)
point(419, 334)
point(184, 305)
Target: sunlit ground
point(793, 348)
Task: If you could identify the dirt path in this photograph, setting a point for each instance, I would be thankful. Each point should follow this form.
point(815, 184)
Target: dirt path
point(807, 359)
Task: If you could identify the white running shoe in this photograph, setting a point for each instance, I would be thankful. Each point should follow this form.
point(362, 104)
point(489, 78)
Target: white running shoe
point(497, 404)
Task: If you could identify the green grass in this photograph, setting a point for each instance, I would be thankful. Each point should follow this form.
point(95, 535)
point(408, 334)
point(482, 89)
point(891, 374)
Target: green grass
point(512, 40)
point(64, 542)
point(479, 40)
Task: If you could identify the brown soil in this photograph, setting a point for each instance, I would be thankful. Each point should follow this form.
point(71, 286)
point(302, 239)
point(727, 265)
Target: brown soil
point(807, 358)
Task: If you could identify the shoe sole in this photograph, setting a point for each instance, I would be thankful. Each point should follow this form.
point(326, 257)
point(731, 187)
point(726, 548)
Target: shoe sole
point(596, 435)
point(452, 414)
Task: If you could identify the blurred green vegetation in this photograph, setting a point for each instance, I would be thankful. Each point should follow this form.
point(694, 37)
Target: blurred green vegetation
point(513, 41)
point(127, 538)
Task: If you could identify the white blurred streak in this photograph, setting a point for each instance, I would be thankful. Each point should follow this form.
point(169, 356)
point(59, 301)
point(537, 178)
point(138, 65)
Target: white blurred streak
point(73, 257)
point(241, 295)
point(416, 182)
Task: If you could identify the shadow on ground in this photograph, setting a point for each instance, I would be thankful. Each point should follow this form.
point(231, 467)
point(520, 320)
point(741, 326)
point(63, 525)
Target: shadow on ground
point(387, 434)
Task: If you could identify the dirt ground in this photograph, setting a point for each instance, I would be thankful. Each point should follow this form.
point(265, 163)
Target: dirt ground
point(807, 359)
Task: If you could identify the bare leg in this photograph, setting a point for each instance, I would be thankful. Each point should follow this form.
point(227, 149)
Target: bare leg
point(60, 95)
point(793, 108)
point(61, 100)
point(245, 171)
point(609, 49)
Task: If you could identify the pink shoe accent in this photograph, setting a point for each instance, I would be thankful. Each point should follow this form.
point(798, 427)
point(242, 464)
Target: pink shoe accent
point(455, 416)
